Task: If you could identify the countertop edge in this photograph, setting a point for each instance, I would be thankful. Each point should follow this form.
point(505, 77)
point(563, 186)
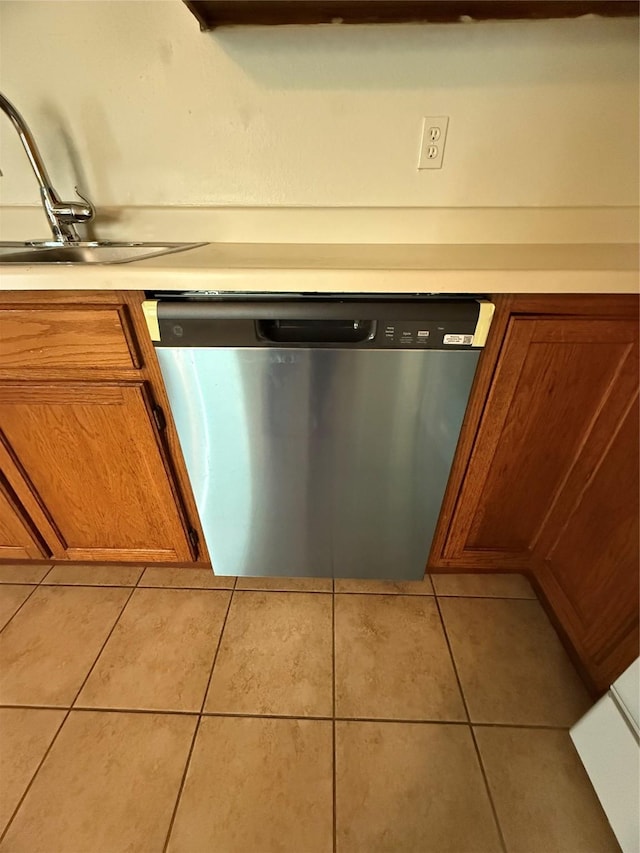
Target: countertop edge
point(332, 268)
point(333, 281)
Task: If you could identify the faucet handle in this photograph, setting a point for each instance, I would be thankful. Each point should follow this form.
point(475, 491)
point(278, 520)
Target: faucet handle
point(71, 211)
point(90, 209)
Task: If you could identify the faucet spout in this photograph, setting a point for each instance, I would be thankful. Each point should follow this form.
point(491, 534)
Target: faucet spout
point(61, 215)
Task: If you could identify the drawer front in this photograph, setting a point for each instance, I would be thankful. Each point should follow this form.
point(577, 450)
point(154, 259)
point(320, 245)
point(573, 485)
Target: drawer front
point(96, 336)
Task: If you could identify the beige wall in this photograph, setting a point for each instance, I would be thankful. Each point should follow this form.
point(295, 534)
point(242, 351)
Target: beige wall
point(133, 102)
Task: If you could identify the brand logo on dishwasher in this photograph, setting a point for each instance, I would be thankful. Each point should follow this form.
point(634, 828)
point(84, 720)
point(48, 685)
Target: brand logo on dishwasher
point(282, 357)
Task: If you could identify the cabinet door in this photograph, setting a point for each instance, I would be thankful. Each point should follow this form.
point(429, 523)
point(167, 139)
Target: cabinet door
point(554, 377)
point(87, 462)
point(18, 540)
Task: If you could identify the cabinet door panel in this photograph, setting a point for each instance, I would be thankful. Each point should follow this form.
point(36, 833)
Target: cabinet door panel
point(93, 464)
point(553, 379)
point(588, 553)
point(18, 541)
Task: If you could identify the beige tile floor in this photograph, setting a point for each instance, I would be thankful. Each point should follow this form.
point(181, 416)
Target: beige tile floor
point(168, 710)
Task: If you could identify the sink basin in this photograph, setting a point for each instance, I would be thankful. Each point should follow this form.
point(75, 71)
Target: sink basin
point(85, 253)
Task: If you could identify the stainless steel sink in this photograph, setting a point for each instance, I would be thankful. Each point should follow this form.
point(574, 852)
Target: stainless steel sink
point(85, 253)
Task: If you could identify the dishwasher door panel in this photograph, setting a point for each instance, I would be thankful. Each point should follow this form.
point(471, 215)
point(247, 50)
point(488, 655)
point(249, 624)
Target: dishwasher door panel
point(396, 421)
point(318, 462)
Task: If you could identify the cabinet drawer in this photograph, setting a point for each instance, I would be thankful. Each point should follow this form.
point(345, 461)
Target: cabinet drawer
point(96, 336)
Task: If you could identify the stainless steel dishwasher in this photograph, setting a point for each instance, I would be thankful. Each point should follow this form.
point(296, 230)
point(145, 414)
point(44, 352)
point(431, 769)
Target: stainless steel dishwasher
point(318, 433)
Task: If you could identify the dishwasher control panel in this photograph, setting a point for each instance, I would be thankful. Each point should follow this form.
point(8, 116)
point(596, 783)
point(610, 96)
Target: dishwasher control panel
point(417, 324)
point(424, 334)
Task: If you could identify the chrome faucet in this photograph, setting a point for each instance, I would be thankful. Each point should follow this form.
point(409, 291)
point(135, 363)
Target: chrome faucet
point(62, 215)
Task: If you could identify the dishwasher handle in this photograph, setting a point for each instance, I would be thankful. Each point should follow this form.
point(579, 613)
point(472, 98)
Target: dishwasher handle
point(316, 331)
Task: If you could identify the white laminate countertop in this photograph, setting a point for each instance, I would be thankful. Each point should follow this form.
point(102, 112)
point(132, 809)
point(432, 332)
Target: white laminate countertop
point(356, 268)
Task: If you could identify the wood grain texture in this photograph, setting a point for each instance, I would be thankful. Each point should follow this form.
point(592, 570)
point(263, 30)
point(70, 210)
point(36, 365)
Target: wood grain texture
point(18, 538)
point(65, 337)
point(588, 557)
point(215, 13)
point(555, 377)
point(576, 305)
point(90, 458)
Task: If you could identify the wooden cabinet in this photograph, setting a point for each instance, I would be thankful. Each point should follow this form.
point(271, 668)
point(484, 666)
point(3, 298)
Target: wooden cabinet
point(551, 481)
point(18, 537)
point(216, 13)
point(89, 462)
point(84, 446)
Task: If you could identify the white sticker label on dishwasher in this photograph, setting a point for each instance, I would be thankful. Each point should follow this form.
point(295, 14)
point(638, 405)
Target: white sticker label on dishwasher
point(458, 339)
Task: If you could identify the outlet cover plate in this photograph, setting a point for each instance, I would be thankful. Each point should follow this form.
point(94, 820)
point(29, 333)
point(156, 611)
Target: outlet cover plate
point(434, 137)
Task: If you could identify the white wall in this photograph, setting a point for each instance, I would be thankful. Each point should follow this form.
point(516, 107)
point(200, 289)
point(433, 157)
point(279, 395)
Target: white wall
point(135, 103)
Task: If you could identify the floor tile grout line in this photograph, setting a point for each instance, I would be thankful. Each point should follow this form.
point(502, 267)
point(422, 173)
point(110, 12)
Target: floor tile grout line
point(542, 726)
point(102, 647)
point(333, 722)
point(172, 712)
point(471, 732)
point(488, 787)
point(292, 591)
point(47, 573)
point(217, 651)
point(128, 586)
point(444, 722)
point(66, 711)
point(88, 585)
point(139, 585)
point(181, 786)
point(18, 609)
point(453, 660)
point(385, 592)
point(64, 720)
point(189, 588)
point(197, 727)
point(338, 719)
point(489, 597)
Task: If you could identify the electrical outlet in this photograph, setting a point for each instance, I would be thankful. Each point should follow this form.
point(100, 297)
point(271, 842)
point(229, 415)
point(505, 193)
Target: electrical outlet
point(434, 137)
